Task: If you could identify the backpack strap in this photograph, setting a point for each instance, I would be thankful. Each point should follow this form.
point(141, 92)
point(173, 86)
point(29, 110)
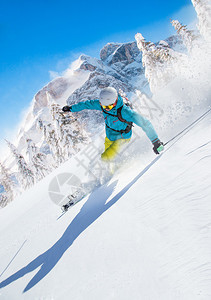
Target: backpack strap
point(119, 116)
point(126, 130)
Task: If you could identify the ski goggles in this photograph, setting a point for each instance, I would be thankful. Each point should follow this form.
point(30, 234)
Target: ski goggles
point(109, 107)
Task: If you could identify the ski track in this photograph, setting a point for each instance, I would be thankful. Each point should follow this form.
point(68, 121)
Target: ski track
point(146, 234)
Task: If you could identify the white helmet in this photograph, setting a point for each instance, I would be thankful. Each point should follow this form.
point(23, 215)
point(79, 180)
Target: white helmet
point(108, 96)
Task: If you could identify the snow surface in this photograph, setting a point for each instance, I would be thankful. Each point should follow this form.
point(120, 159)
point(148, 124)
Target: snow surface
point(145, 234)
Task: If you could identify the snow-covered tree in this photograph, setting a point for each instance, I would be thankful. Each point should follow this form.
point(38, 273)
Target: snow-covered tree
point(57, 119)
point(71, 135)
point(31, 149)
point(163, 52)
point(157, 61)
point(37, 160)
point(64, 133)
point(55, 110)
point(39, 124)
point(3, 200)
point(203, 10)
point(188, 36)
point(50, 135)
point(148, 59)
point(25, 175)
point(8, 184)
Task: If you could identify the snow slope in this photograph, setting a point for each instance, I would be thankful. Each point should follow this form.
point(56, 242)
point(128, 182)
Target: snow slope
point(146, 234)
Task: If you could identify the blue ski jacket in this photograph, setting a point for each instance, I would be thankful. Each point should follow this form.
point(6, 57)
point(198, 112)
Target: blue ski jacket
point(114, 123)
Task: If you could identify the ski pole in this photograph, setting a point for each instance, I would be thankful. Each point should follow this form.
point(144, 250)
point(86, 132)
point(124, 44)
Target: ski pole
point(199, 119)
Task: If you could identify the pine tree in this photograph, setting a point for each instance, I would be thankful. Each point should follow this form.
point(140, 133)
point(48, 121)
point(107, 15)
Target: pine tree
point(38, 160)
point(203, 10)
point(187, 36)
point(3, 200)
point(39, 124)
point(64, 135)
point(69, 133)
point(148, 60)
point(57, 119)
point(25, 175)
point(158, 62)
point(51, 138)
point(8, 184)
point(72, 135)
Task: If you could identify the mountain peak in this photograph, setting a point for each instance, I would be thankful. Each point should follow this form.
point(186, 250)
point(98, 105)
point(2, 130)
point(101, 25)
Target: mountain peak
point(114, 53)
point(108, 49)
point(90, 63)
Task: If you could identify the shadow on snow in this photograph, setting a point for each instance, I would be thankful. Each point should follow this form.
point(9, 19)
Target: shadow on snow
point(89, 213)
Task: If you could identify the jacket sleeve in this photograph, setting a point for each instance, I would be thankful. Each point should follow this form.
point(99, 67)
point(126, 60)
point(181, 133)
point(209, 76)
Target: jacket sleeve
point(132, 116)
point(89, 104)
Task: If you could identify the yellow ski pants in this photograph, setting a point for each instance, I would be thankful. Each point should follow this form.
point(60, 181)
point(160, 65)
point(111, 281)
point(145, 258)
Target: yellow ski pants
point(112, 148)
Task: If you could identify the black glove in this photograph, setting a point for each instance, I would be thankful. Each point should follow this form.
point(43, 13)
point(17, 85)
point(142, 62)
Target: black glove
point(66, 108)
point(158, 147)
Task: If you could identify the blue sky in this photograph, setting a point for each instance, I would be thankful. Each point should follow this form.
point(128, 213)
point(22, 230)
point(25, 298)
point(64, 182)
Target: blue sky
point(41, 36)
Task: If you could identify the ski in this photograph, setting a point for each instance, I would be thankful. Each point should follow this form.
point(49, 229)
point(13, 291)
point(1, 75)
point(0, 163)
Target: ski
point(73, 201)
point(78, 196)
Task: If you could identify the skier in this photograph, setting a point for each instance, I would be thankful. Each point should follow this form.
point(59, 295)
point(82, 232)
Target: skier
point(119, 119)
